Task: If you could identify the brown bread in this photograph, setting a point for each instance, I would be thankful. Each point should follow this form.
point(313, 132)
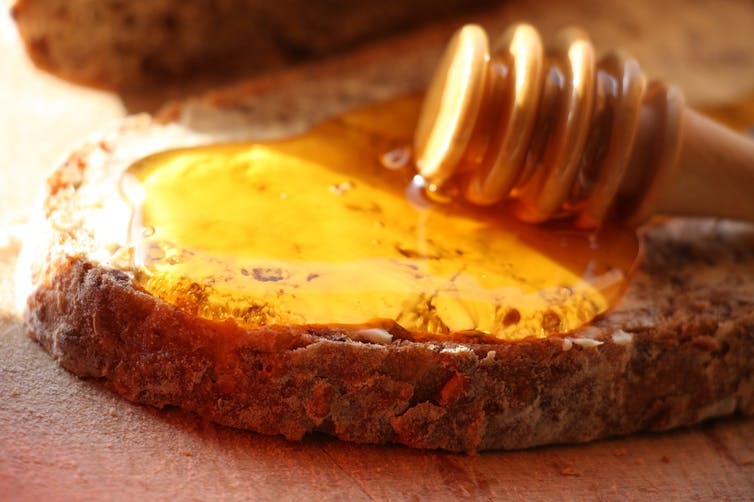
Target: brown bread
point(127, 45)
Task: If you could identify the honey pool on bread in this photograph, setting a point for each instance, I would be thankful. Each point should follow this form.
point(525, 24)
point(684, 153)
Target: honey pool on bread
point(331, 227)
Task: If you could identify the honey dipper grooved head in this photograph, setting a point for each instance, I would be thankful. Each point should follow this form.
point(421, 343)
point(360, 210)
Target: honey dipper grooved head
point(452, 103)
point(555, 130)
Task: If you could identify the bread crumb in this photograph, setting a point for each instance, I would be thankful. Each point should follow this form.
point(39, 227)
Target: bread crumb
point(373, 335)
point(621, 337)
point(567, 344)
point(586, 343)
point(113, 413)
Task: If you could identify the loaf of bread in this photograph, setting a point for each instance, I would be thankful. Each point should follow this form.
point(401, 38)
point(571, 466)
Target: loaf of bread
point(676, 350)
point(126, 45)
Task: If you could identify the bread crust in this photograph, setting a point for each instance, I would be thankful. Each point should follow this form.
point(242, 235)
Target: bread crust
point(677, 349)
point(678, 368)
point(133, 45)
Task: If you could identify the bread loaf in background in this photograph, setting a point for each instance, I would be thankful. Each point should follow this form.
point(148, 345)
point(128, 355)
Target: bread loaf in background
point(167, 49)
point(121, 44)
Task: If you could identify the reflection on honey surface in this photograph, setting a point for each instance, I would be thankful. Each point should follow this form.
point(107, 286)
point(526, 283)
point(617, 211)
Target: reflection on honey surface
point(324, 228)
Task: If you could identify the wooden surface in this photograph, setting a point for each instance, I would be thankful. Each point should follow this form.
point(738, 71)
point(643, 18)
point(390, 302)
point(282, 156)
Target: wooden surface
point(64, 438)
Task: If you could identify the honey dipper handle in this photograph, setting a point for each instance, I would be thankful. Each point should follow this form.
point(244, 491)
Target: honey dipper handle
point(715, 173)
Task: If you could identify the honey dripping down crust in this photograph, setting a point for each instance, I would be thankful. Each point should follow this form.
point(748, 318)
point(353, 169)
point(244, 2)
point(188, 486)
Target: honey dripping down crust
point(332, 228)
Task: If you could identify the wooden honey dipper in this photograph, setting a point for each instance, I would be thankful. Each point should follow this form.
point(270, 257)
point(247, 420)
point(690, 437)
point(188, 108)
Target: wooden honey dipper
point(562, 134)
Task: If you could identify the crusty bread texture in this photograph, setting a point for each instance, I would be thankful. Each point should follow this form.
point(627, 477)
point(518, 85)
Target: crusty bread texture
point(678, 348)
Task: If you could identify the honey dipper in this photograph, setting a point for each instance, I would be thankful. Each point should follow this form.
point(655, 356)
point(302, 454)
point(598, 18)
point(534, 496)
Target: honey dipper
point(562, 134)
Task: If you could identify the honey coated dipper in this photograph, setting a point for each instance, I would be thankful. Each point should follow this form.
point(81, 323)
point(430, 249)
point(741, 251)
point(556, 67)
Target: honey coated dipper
point(561, 133)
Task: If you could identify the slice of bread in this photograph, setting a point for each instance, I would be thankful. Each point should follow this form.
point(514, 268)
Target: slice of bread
point(678, 348)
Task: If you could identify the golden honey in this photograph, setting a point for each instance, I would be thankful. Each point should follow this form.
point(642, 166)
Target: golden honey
point(333, 227)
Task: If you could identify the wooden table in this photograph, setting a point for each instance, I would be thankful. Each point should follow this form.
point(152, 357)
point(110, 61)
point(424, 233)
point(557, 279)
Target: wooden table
point(64, 438)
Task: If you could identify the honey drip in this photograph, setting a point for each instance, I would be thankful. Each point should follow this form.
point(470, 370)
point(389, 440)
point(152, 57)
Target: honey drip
point(331, 227)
